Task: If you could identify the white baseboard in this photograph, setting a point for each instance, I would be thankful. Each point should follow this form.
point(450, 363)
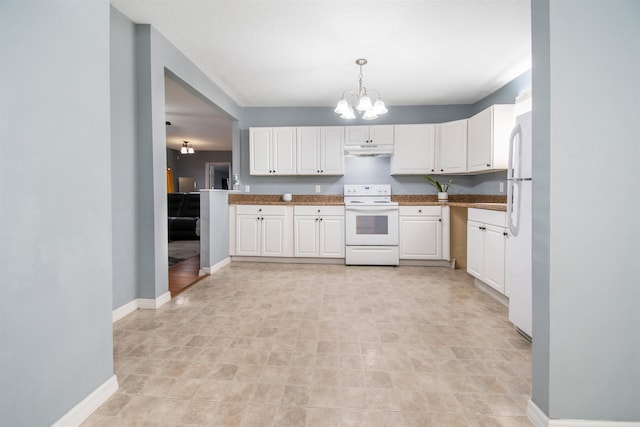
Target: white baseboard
point(124, 310)
point(216, 267)
point(82, 410)
point(152, 304)
point(540, 419)
point(536, 416)
point(140, 303)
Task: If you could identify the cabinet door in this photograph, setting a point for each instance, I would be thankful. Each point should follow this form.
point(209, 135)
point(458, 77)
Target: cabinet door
point(356, 135)
point(475, 249)
point(260, 151)
point(308, 151)
point(452, 147)
point(306, 236)
point(382, 134)
point(284, 150)
point(332, 236)
point(414, 149)
point(248, 235)
point(479, 143)
point(273, 233)
point(420, 238)
point(332, 150)
point(494, 264)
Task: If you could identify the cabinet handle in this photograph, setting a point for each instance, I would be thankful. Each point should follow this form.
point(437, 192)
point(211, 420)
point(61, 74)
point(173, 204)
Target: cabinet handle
point(488, 165)
point(482, 228)
point(321, 171)
point(432, 170)
point(439, 219)
point(441, 170)
point(260, 210)
point(505, 234)
point(419, 210)
point(316, 219)
point(320, 219)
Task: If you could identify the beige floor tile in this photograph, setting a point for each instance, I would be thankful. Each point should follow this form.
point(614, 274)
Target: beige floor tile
point(258, 344)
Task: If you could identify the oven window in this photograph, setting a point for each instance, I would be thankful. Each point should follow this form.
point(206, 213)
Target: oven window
point(372, 224)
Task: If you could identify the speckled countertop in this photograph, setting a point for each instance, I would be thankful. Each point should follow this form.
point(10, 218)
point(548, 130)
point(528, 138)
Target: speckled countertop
point(495, 203)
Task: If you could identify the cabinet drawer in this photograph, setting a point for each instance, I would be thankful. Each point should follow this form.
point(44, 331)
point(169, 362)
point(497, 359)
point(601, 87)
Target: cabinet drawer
point(485, 216)
point(319, 210)
point(420, 211)
point(260, 209)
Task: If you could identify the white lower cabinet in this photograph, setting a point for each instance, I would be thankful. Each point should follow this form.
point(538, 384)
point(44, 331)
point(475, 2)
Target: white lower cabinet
point(424, 233)
point(263, 231)
point(487, 247)
point(319, 231)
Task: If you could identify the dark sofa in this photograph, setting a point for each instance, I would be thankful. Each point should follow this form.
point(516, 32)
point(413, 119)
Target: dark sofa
point(184, 216)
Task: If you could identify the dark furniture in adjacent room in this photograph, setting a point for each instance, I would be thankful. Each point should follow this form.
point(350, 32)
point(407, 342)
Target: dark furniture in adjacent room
point(184, 216)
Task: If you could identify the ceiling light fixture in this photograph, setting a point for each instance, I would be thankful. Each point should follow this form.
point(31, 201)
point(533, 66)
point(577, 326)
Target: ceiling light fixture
point(186, 148)
point(361, 101)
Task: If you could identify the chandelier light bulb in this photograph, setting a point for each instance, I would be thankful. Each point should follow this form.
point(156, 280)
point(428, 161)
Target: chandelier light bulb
point(342, 106)
point(369, 115)
point(379, 107)
point(365, 104)
point(348, 114)
point(191, 150)
point(184, 150)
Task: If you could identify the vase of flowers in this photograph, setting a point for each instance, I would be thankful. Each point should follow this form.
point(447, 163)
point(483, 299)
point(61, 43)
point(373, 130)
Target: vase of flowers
point(443, 189)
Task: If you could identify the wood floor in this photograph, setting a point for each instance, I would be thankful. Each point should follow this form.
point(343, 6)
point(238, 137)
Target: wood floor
point(184, 274)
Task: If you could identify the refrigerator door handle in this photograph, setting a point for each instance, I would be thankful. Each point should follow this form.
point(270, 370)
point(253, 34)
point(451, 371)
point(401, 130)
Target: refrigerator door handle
point(513, 206)
point(516, 134)
point(513, 185)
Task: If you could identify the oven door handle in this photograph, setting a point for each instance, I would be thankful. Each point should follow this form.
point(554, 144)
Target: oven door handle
point(370, 208)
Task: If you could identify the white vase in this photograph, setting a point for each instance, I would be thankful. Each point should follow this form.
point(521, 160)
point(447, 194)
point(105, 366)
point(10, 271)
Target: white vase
point(443, 196)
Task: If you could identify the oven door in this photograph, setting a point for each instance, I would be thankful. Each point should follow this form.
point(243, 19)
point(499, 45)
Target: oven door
point(371, 225)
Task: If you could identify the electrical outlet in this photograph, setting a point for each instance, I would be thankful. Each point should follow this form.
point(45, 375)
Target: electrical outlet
point(317, 188)
point(502, 187)
point(247, 189)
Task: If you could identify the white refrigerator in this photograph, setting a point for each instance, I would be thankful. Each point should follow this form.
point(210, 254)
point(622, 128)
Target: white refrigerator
point(519, 185)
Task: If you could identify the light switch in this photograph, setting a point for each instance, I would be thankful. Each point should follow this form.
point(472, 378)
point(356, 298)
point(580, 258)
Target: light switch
point(247, 188)
point(317, 188)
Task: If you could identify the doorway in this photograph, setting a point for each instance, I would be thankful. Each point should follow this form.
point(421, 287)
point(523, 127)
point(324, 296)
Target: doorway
point(217, 175)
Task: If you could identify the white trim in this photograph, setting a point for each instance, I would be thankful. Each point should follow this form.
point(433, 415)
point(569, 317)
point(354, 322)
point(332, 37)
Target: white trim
point(152, 304)
point(124, 310)
point(89, 404)
point(215, 267)
point(140, 303)
point(537, 417)
point(288, 260)
point(540, 419)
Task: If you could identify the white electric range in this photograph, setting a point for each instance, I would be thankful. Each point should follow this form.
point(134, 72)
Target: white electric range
point(371, 225)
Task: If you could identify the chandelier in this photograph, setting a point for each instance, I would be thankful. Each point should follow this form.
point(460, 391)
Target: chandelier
point(361, 101)
point(186, 148)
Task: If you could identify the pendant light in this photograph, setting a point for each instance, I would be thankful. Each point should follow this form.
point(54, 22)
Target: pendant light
point(186, 148)
point(361, 101)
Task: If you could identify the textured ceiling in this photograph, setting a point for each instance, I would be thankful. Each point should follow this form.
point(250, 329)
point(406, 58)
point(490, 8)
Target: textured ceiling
point(302, 52)
point(195, 120)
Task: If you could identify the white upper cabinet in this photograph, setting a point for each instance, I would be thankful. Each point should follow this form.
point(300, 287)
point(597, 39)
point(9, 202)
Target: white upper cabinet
point(451, 147)
point(414, 150)
point(359, 135)
point(488, 138)
point(272, 151)
point(319, 150)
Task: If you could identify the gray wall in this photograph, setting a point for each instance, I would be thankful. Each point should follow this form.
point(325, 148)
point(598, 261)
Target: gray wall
point(591, 353)
point(142, 228)
point(193, 165)
point(56, 342)
point(124, 159)
point(214, 240)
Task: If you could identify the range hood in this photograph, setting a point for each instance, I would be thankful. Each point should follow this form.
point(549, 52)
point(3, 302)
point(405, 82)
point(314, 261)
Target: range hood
point(368, 150)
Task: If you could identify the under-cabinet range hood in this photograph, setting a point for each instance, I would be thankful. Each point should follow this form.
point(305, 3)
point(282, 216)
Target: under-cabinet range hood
point(368, 150)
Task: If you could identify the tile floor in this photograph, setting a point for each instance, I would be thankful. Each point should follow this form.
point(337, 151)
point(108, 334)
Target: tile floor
point(321, 345)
